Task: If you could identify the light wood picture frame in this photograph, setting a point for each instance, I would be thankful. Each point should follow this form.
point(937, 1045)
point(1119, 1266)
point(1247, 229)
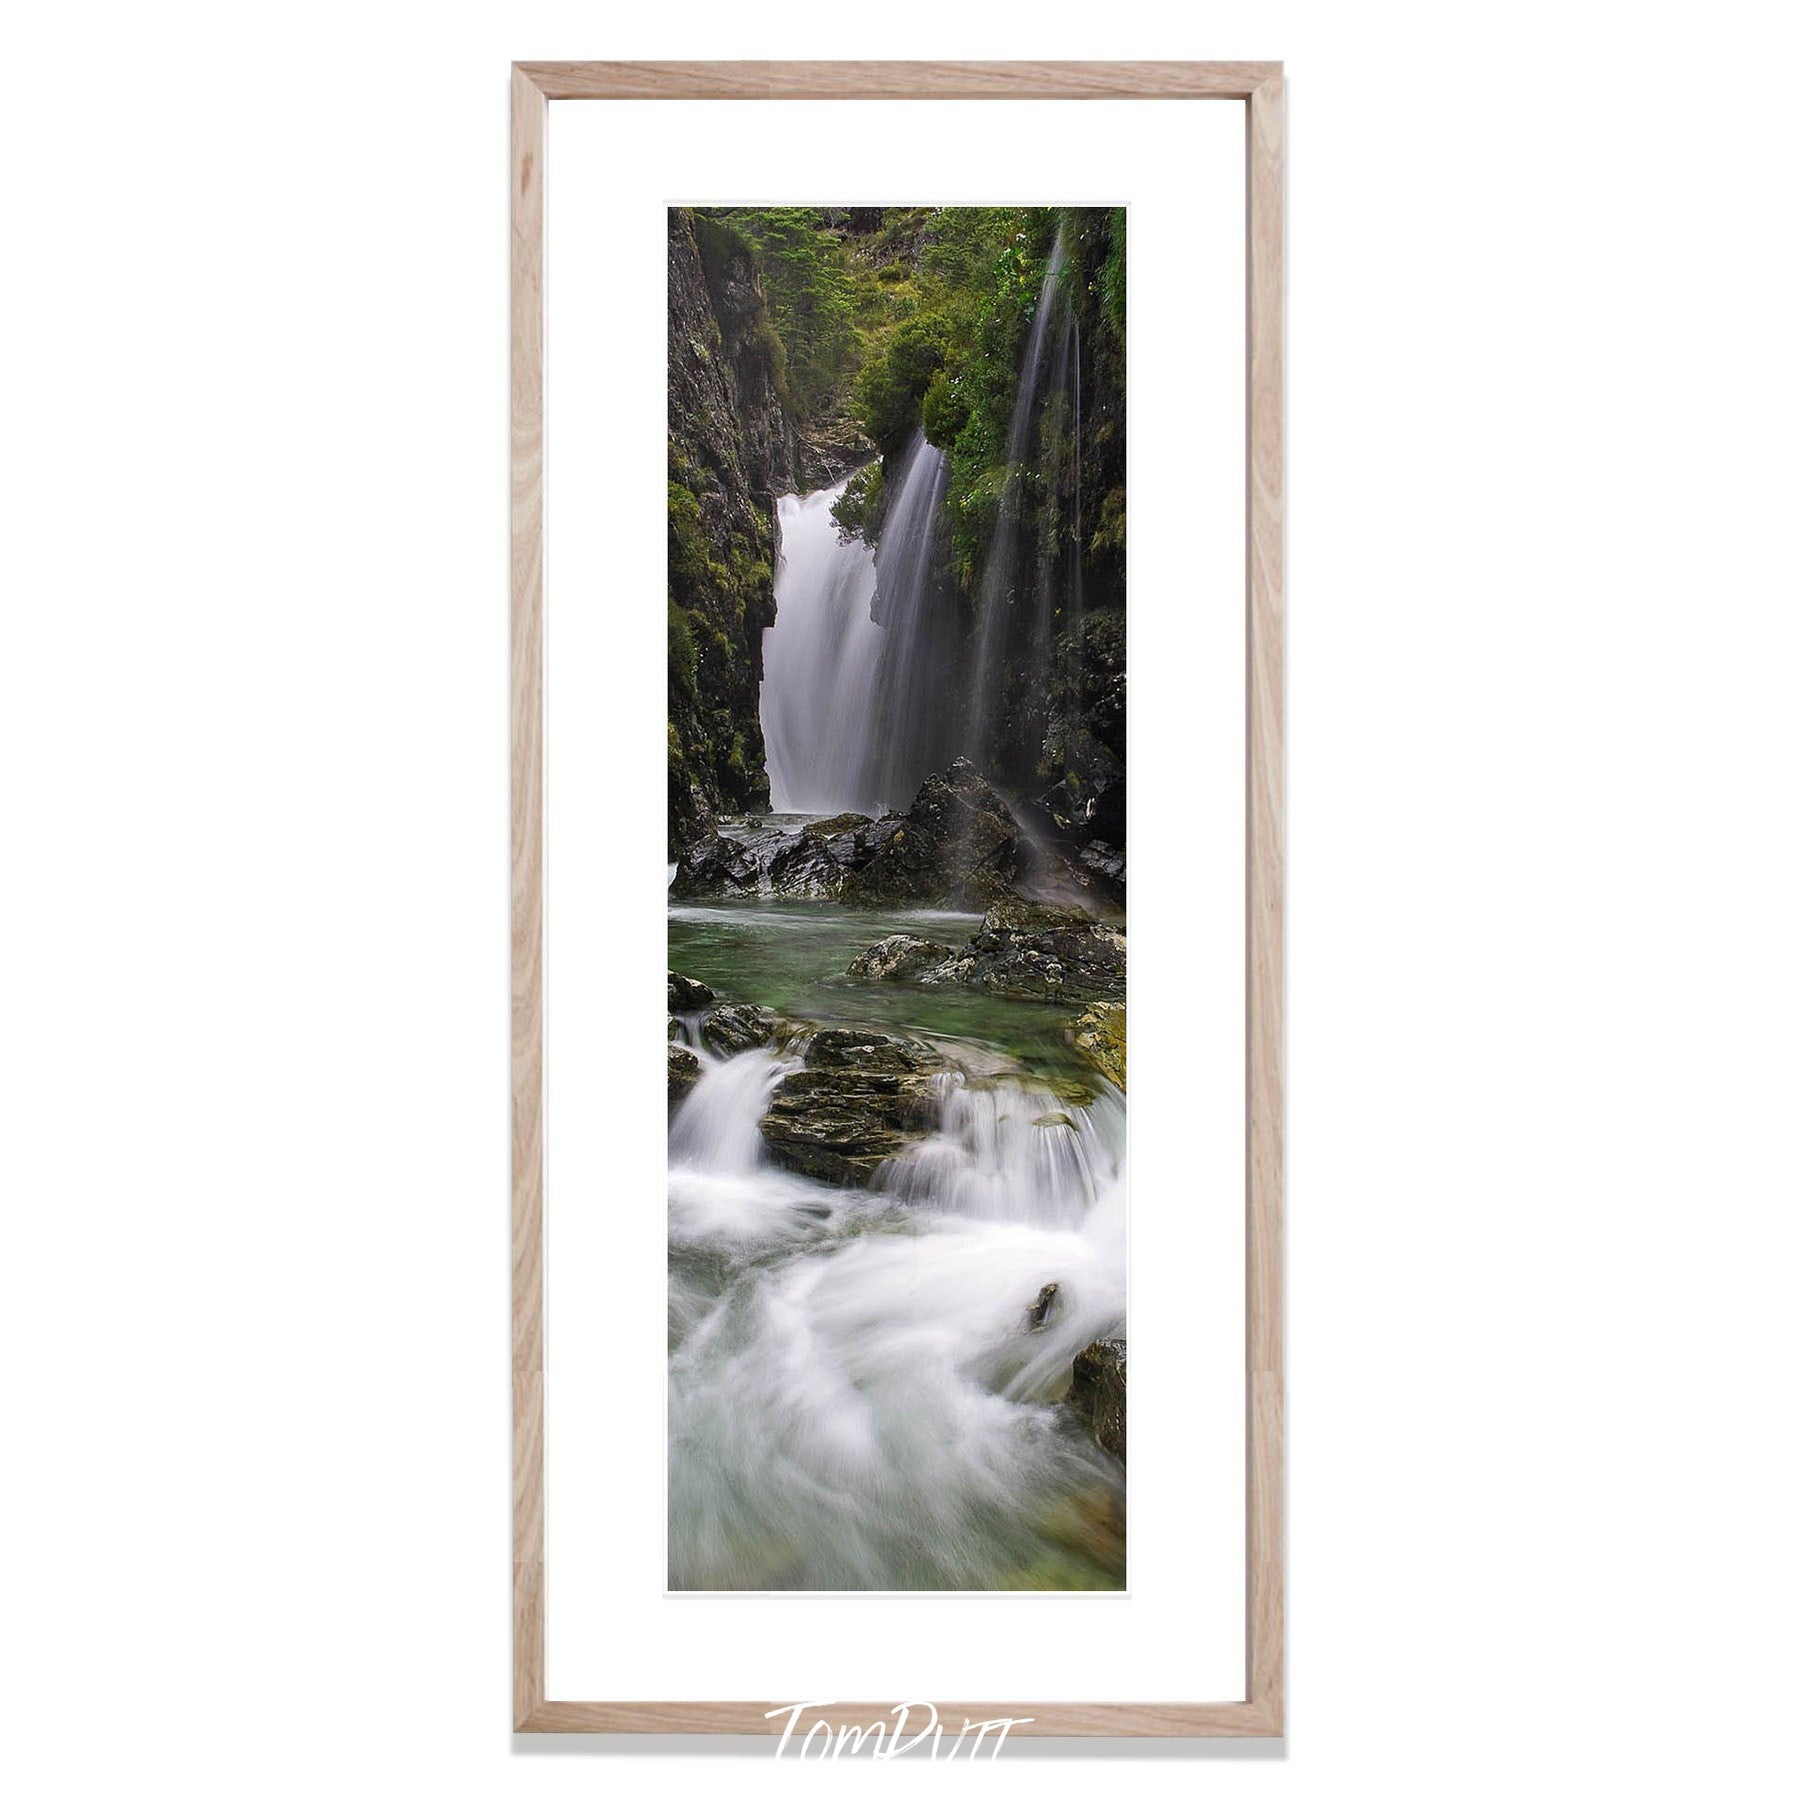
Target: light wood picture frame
point(1259, 88)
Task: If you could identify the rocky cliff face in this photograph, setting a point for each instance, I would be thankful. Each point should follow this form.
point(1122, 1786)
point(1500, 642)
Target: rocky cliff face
point(731, 450)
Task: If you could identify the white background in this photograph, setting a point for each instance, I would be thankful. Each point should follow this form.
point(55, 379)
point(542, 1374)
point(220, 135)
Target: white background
point(1542, 968)
point(611, 1631)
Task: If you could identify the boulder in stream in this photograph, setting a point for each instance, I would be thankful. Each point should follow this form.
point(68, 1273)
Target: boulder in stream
point(812, 862)
point(686, 995)
point(683, 1072)
point(1096, 1392)
point(858, 1100)
point(899, 958)
point(729, 1030)
point(1025, 950)
point(956, 844)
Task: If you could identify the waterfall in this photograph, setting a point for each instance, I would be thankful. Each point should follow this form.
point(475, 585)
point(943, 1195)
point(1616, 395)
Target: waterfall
point(858, 1381)
point(863, 691)
point(1011, 1151)
point(819, 660)
point(914, 722)
point(1065, 582)
point(859, 693)
point(1004, 623)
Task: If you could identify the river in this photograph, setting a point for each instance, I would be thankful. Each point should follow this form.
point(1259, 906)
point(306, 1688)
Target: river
point(857, 1397)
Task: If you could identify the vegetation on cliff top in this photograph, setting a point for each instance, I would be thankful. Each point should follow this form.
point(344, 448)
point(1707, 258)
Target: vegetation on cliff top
point(917, 316)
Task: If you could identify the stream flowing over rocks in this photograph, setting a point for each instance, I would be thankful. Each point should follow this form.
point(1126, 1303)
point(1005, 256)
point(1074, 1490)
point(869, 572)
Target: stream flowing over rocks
point(896, 870)
point(888, 1250)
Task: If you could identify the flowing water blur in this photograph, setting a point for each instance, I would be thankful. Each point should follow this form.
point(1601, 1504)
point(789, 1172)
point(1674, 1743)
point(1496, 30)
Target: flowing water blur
point(861, 682)
point(1015, 616)
point(819, 660)
point(859, 1394)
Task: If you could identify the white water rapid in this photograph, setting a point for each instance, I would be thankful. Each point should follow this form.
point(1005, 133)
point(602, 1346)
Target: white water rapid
point(859, 1396)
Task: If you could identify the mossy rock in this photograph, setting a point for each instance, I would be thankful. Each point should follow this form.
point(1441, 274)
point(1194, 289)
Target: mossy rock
point(683, 1073)
point(860, 1099)
point(1098, 1038)
point(899, 958)
point(686, 994)
point(730, 1030)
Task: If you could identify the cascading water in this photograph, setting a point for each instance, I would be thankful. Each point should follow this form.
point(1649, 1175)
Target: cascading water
point(1010, 626)
point(859, 1384)
point(859, 690)
point(1012, 1151)
point(863, 693)
point(819, 661)
point(915, 722)
point(1061, 602)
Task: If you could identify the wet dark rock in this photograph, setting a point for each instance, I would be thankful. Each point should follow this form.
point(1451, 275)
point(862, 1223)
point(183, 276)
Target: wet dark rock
point(715, 865)
point(1096, 1392)
point(1083, 742)
point(1103, 860)
point(810, 863)
point(870, 1052)
point(686, 995)
point(732, 1029)
point(860, 1098)
point(821, 828)
point(683, 1072)
point(1089, 800)
point(1038, 1310)
point(956, 844)
point(1026, 950)
point(899, 958)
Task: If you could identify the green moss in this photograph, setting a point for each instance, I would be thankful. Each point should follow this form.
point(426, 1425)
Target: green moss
point(1108, 534)
point(683, 653)
point(1098, 1038)
point(688, 554)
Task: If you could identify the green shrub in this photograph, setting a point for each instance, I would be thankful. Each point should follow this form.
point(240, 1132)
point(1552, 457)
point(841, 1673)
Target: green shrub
point(862, 505)
point(891, 387)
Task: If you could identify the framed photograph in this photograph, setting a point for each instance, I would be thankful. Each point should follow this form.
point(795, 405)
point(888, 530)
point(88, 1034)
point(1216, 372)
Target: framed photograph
point(952, 786)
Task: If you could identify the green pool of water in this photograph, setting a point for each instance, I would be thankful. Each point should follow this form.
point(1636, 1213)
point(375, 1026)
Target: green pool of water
point(791, 957)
